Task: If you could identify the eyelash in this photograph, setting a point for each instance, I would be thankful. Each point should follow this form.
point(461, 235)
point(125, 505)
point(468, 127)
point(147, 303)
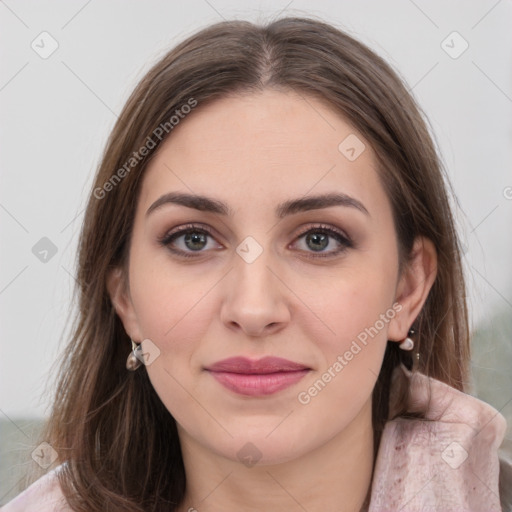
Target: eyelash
point(339, 236)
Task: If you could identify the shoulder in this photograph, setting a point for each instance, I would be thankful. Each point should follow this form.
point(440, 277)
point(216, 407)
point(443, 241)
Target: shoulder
point(44, 495)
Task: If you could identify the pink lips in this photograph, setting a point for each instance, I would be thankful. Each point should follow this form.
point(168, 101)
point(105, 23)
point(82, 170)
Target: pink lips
point(257, 378)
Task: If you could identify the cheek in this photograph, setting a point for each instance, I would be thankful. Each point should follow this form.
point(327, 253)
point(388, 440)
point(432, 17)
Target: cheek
point(171, 308)
point(358, 309)
point(174, 313)
point(359, 302)
point(351, 359)
point(163, 294)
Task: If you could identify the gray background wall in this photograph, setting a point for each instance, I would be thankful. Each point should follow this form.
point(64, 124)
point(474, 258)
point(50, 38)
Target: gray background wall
point(56, 113)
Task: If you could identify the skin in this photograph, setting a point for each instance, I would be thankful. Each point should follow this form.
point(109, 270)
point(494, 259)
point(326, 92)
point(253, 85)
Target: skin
point(254, 151)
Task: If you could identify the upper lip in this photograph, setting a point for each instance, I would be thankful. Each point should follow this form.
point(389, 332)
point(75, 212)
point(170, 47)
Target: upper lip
point(264, 365)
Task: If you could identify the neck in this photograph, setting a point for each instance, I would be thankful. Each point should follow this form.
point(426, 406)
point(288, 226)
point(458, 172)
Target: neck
point(334, 477)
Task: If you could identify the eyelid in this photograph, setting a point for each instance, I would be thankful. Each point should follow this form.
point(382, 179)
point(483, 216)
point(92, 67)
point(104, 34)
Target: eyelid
point(189, 226)
point(323, 227)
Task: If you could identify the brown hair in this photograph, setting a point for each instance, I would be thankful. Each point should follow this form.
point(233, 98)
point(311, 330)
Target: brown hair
point(119, 441)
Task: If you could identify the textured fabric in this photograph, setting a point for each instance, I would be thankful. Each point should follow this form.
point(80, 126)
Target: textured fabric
point(447, 462)
point(44, 495)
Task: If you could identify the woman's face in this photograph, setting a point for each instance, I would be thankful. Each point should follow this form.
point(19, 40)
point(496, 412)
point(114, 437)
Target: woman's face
point(274, 271)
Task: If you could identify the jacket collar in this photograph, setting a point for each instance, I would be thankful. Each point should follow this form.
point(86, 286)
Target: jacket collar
point(447, 461)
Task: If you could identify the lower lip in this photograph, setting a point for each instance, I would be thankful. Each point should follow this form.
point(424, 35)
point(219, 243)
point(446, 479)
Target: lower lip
point(258, 384)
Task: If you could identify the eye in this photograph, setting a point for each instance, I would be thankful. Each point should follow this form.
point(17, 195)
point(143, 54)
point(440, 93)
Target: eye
point(192, 238)
point(187, 240)
point(318, 238)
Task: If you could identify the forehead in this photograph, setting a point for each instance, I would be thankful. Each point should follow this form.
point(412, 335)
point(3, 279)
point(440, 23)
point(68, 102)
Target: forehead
point(261, 147)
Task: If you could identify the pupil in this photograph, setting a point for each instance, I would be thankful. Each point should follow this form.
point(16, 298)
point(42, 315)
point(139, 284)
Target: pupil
point(197, 241)
point(317, 238)
point(195, 238)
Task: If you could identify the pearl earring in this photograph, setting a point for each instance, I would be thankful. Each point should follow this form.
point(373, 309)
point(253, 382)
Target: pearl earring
point(133, 362)
point(408, 343)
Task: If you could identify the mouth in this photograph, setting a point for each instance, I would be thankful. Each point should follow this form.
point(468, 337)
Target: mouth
point(257, 378)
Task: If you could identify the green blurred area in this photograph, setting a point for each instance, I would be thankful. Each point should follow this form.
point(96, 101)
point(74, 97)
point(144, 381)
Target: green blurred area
point(492, 382)
point(491, 364)
point(18, 438)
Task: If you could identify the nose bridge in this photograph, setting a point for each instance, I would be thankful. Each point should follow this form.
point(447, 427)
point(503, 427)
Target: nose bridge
point(252, 277)
point(254, 299)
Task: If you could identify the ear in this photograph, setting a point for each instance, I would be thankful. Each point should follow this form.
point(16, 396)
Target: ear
point(414, 284)
point(121, 300)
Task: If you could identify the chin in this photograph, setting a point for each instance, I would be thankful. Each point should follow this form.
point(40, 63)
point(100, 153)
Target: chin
point(262, 449)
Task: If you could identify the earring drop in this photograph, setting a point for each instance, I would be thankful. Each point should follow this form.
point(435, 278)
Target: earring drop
point(408, 343)
point(133, 362)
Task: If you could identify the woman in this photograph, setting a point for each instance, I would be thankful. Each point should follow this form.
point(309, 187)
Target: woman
point(269, 240)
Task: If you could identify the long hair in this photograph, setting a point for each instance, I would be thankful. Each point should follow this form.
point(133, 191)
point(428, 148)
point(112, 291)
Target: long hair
point(119, 442)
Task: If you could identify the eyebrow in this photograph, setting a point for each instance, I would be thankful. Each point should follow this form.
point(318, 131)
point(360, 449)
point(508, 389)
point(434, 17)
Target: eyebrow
point(290, 207)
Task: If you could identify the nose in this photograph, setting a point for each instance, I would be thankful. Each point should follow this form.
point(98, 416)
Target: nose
point(256, 302)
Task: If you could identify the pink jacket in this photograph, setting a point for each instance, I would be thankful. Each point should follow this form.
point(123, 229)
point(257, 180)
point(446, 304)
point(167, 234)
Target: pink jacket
point(448, 462)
